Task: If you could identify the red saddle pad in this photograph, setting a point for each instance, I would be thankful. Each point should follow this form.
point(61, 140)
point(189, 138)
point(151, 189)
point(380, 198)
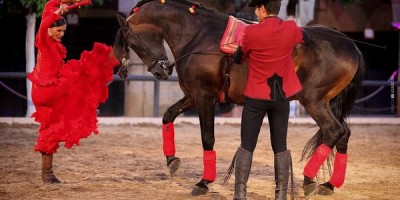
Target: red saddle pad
point(232, 36)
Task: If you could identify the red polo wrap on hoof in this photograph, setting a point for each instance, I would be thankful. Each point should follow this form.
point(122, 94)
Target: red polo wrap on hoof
point(210, 165)
point(339, 170)
point(168, 135)
point(313, 165)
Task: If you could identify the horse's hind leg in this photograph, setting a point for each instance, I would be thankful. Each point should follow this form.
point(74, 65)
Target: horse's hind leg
point(330, 131)
point(168, 133)
point(339, 165)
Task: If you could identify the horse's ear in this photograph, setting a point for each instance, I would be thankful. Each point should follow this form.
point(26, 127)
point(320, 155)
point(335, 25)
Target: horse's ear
point(121, 21)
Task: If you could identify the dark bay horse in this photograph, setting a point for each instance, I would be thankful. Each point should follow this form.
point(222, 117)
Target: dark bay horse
point(330, 68)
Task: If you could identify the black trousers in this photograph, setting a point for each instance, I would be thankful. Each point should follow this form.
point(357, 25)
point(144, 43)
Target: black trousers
point(254, 111)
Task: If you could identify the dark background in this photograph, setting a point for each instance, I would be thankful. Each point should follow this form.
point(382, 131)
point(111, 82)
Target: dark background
point(77, 38)
point(380, 63)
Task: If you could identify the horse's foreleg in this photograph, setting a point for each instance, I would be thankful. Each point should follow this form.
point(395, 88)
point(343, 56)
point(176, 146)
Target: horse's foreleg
point(168, 132)
point(206, 111)
point(339, 165)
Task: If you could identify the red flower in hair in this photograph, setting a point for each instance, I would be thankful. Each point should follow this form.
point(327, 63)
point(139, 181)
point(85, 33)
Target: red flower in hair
point(136, 9)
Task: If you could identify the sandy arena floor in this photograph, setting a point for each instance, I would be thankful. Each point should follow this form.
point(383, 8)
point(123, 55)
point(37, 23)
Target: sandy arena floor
point(126, 162)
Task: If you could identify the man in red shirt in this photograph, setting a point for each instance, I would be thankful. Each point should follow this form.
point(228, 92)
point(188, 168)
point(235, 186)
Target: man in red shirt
point(267, 46)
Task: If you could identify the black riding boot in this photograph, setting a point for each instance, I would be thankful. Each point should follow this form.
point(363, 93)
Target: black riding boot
point(243, 161)
point(282, 164)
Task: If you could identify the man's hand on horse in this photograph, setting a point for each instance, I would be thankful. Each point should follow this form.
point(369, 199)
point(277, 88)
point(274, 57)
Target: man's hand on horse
point(237, 56)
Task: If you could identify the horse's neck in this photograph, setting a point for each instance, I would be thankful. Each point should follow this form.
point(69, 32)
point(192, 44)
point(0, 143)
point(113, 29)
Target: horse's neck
point(194, 36)
point(198, 29)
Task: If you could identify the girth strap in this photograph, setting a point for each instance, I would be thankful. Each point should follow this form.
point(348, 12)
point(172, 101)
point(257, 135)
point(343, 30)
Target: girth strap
point(227, 81)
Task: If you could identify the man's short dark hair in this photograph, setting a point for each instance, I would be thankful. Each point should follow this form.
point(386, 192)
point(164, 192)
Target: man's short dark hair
point(272, 6)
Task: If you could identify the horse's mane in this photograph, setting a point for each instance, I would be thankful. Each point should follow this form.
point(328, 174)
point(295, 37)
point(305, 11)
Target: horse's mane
point(186, 2)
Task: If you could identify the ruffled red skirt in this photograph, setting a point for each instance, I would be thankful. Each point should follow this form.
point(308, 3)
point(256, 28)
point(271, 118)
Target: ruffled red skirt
point(66, 109)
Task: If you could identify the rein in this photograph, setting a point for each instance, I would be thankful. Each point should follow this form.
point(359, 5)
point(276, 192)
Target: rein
point(123, 70)
point(200, 51)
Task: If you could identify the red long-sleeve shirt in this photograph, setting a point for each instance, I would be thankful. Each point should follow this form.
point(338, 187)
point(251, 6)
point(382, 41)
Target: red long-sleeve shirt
point(51, 53)
point(268, 46)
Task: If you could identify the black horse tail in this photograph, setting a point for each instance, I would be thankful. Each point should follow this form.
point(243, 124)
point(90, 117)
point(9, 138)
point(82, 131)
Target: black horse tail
point(230, 170)
point(341, 106)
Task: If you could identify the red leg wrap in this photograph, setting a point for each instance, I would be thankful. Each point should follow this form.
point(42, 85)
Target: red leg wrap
point(313, 165)
point(210, 165)
point(339, 170)
point(168, 135)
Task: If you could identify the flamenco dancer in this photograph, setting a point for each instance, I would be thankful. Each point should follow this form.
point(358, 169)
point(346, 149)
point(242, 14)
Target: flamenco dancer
point(66, 94)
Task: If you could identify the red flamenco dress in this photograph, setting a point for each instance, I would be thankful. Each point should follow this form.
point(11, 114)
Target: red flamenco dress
point(66, 95)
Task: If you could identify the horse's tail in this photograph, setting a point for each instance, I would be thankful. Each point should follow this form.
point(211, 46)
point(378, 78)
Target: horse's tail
point(230, 170)
point(341, 107)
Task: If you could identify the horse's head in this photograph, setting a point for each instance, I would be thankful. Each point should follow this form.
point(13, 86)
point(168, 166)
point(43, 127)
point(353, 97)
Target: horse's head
point(147, 42)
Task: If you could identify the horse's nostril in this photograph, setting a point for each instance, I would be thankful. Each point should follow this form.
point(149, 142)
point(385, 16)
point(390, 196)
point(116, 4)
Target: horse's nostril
point(157, 75)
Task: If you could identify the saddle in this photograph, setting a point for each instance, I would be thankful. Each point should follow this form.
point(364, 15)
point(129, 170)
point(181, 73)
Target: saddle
point(230, 41)
point(232, 36)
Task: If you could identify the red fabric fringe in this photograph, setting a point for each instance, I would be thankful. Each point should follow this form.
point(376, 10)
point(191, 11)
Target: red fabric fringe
point(81, 87)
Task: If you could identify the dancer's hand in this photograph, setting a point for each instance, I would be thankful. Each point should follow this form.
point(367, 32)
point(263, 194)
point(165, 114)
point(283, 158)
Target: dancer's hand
point(62, 9)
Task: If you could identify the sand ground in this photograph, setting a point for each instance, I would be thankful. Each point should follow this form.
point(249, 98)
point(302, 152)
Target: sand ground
point(126, 162)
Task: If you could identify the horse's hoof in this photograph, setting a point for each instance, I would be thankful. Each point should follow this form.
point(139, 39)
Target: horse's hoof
point(325, 189)
point(197, 191)
point(174, 165)
point(310, 190)
point(200, 188)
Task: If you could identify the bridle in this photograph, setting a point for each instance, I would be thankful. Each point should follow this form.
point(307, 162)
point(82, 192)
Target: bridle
point(139, 46)
point(163, 61)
